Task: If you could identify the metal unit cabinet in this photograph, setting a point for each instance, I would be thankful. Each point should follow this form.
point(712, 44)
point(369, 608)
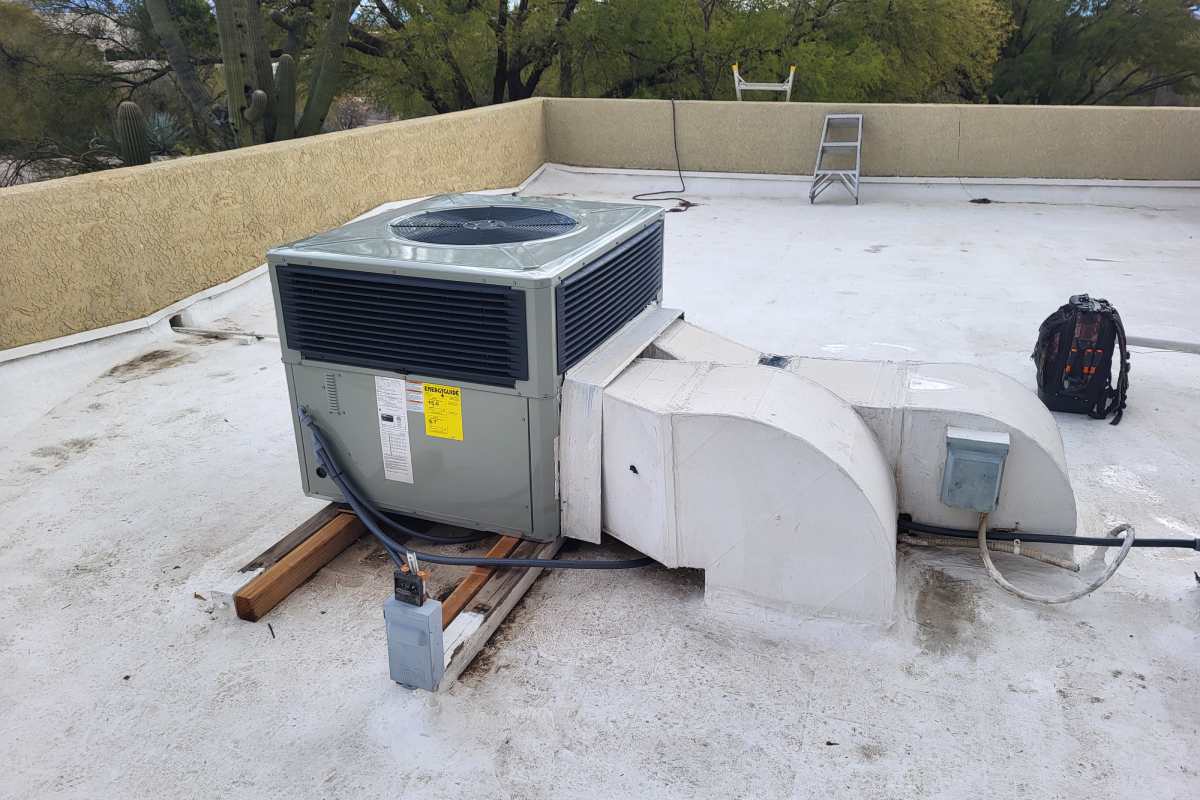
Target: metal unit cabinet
point(429, 344)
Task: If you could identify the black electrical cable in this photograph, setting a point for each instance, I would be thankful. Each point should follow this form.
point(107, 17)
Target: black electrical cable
point(404, 530)
point(684, 203)
point(370, 517)
point(1045, 538)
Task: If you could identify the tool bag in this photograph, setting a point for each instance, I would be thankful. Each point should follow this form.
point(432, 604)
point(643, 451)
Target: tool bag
point(1074, 355)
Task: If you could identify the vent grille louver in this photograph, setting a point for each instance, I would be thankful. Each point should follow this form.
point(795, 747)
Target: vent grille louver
point(470, 332)
point(598, 299)
point(331, 393)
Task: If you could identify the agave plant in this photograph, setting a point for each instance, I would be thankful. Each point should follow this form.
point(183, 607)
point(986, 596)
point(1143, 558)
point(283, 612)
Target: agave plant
point(165, 133)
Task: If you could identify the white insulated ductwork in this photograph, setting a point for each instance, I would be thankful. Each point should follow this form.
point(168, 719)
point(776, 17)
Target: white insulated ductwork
point(909, 405)
point(768, 482)
point(783, 483)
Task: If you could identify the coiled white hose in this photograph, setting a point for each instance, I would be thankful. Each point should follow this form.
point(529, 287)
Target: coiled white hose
point(1014, 548)
point(1003, 583)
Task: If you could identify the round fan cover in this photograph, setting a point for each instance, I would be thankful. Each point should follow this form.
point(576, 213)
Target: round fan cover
point(484, 225)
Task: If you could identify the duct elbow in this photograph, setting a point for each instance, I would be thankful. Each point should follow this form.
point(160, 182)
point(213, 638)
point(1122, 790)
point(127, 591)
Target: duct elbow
point(768, 482)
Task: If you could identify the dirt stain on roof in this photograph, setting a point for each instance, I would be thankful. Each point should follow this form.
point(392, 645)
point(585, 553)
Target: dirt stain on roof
point(945, 612)
point(148, 364)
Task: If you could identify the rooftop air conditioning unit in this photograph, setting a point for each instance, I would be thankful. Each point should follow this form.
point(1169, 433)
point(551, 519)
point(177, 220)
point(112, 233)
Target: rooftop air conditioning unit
point(430, 343)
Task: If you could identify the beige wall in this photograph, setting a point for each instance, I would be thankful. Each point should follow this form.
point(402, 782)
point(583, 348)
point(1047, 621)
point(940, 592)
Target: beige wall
point(85, 252)
point(905, 140)
point(94, 250)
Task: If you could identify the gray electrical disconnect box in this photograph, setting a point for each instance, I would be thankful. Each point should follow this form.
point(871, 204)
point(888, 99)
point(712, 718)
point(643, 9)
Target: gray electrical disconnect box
point(974, 467)
point(414, 637)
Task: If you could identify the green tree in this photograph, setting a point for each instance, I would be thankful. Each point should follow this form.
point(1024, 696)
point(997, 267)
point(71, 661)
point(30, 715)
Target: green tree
point(141, 63)
point(685, 48)
point(853, 50)
point(1094, 52)
point(938, 50)
point(193, 19)
point(441, 55)
point(455, 54)
point(56, 92)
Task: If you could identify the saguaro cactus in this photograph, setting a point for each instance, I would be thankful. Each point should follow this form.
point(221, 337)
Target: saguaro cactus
point(262, 105)
point(257, 108)
point(327, 64)
point(236, 66)
point(133, 140)
point(259, 63)
point(285, 98)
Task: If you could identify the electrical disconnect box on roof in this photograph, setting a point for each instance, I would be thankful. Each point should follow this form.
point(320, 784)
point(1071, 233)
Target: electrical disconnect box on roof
point(974, 467)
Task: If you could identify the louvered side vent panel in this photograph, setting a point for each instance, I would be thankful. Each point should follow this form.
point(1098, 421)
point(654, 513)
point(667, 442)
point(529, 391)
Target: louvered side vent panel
point(331, 394)
point(469, 332)
point(600, 298)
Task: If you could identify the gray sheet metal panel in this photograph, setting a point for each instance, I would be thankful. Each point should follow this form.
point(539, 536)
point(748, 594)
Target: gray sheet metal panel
point(539, 320)
point(543, 467)
point(292, 357)
point(481, 482)
point(543, 414)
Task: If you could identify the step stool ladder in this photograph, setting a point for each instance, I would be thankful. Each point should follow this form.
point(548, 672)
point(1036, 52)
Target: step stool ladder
point(839, 156)
point(741, 85)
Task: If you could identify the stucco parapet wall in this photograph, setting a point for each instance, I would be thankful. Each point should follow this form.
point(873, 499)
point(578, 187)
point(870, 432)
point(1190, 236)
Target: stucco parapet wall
point(99, 249)
point(96, 250)
point(917, 140)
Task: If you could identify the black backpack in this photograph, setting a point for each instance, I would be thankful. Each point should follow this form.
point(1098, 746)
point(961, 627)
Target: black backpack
point(1074, 355)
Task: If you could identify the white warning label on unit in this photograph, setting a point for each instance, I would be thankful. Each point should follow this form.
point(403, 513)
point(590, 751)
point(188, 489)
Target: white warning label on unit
point(416, 396)
point(392, 405)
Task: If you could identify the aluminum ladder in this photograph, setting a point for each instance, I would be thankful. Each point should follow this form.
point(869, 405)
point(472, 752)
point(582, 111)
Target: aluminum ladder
point(839, 155)
point(742, 85)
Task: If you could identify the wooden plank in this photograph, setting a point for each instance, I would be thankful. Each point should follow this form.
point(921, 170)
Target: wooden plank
point(273, 584)
point(310, 526)
point(498, 587)
point(469, 587)
point(298, 535)
point(466, 623)
point(472, 629)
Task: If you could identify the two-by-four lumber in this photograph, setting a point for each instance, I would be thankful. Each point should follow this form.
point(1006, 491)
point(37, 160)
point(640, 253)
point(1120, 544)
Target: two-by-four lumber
point(267, 589)
point(469, 587)
point(298, 536)
point(471, 630)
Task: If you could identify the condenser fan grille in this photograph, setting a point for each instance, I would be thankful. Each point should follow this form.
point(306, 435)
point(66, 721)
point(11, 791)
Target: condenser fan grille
point(401, 323)
point(484, 225)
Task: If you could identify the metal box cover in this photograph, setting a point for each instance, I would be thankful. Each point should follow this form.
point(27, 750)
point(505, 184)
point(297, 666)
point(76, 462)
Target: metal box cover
point(974, 467)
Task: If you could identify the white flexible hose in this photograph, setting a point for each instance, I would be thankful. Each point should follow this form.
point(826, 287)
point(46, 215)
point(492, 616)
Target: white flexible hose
point(995, 547)
point(1003, 583)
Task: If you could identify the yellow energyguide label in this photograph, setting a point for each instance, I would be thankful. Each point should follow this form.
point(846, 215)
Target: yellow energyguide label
point(443, 411)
